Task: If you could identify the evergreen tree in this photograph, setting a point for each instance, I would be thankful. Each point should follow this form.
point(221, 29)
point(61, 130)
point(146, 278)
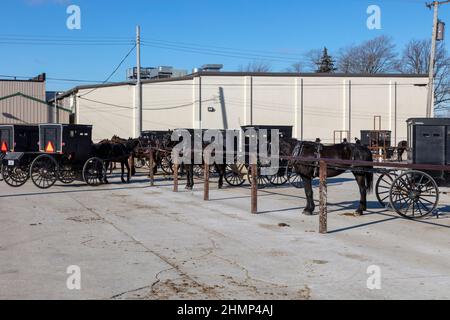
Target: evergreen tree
point(326, 63)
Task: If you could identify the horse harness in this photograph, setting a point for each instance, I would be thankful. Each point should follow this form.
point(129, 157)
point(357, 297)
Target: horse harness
point(299, 150)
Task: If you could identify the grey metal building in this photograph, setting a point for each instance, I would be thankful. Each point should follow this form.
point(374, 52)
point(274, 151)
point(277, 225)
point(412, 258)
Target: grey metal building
point(24, 102)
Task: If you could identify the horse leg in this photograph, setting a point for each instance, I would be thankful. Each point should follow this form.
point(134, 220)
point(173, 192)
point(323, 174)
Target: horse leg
point(122, 168)
point(189, 174)
point(129, 171)
point(105, 177)
point(310, 206)
point(361, 180)
point(221, 169)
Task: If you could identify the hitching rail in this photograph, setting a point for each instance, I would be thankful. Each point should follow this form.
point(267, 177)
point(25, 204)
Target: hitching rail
point(322, 163)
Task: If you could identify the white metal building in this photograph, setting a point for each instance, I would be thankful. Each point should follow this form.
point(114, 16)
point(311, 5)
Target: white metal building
point(316, 105)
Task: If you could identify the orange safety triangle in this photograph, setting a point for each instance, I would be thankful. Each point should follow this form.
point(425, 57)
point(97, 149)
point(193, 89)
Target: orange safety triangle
point(49, 147)
point(4, 147)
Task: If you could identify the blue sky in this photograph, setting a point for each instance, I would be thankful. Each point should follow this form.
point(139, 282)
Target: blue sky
point(282, 28)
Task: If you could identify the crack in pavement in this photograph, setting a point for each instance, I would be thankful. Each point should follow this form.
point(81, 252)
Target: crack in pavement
point(161, 257)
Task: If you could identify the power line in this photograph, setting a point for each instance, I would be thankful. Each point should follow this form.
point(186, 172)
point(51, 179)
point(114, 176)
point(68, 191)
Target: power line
point(219, 53)
point(114, 71)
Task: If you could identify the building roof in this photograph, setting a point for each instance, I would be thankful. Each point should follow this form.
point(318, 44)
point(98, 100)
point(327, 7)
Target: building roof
point(246, 74)
point(19, 94)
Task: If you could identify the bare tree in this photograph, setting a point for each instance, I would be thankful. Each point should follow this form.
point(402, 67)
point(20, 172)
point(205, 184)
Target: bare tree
point(373, 56)
point(295, 67)
point(312, 58)
point(256, 66)
point(416, 60)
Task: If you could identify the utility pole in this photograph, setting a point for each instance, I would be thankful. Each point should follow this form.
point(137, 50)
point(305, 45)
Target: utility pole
point(138, 110)
point(435, 5)
point(55, 109)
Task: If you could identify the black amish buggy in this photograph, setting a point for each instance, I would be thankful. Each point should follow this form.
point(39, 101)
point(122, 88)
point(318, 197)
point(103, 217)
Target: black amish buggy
point(235, 173)
point(415, 193)
point(19, 139)
point(158, 139)
point(429, 143)
point(64, 153)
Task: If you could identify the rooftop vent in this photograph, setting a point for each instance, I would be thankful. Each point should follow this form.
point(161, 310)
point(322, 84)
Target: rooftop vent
point(212, 67)
point(160, 72)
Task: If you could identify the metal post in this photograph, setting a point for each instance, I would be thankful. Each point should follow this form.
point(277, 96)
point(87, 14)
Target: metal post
point(138, 111)
point(206, 182)
point(152, 172)
point(175, 177)
point(254, 196)
point(323, 198)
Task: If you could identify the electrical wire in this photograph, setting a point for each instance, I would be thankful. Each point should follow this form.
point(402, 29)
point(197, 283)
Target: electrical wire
point(114, 71)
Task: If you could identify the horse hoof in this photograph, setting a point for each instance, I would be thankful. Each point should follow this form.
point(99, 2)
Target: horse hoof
point(307, 213)
point(358, 214)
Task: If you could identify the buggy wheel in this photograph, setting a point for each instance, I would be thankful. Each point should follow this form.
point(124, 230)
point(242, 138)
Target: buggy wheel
point(233, 175)
point(263, 181)
point(279, 179)
point(167, 164)
point(414, 194)
point(94, 172)
point(15, 176)
point(139, 163)
point(295, 179)
point(383, 187)
point(199, 171)
point(67, 175)
point(44, 171)
point(1, 171)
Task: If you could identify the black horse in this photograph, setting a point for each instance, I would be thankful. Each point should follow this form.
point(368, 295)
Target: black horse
point(309, 170)
point(116, 152)
point(220, 167)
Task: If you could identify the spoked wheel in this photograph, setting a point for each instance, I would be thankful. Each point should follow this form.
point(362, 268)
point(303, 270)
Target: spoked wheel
point(414, 194)
point(294, 178)
point(383, 187)
point(15, 176)
point(279, 179)
point(139, 163)
point(263, 181)
point(234, 176)
point(167, 164)
point(199, 171)
point(94, 172)
point(44, 171)
point(1, 170)
point(67, 175)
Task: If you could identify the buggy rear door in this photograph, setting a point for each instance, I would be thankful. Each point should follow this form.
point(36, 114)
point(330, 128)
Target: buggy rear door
point(50, 138)
point(430, 145)
point(6, 139)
